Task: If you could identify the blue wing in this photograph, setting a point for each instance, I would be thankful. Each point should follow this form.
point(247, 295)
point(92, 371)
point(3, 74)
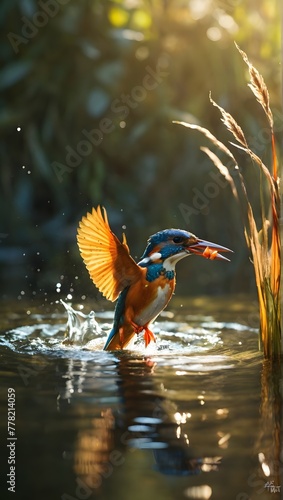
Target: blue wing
point(118, 321)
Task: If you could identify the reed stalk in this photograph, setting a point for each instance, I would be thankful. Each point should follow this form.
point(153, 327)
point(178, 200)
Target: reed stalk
point(265, 249)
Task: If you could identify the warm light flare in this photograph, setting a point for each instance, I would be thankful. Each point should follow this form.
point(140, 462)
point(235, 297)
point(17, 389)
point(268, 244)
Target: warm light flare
point(181, 418)
point(264, 465)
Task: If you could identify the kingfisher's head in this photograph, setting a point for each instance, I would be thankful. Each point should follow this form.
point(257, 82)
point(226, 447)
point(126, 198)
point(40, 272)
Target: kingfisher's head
point(171, 245)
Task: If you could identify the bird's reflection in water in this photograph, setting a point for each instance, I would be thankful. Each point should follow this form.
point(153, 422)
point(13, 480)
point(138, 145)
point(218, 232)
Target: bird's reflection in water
point(145, 419)
point(92, 457)
point(154, 422)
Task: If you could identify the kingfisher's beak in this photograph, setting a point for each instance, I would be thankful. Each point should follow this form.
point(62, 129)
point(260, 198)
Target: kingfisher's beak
point(208, 250)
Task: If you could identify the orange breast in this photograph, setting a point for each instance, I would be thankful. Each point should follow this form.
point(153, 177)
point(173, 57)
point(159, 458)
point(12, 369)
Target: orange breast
point(145, 300)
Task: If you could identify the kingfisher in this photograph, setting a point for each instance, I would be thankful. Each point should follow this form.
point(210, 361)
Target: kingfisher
point(143, 289)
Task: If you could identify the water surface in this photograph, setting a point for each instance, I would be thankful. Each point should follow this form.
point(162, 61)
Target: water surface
point(196, 415)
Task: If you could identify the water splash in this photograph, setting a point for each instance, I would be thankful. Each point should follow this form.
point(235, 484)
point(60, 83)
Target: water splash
point(194, 344)
point(81, 328)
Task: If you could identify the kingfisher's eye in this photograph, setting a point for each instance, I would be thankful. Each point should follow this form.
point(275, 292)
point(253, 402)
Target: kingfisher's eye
point(178, 239)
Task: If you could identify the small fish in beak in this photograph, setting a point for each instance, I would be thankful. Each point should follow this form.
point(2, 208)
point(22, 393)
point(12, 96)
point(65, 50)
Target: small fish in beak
point(208, 250)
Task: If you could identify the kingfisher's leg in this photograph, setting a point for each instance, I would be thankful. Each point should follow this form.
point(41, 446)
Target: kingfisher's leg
point(137, 328)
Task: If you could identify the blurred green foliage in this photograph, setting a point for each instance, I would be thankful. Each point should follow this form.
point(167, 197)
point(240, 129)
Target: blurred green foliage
point(118, 72)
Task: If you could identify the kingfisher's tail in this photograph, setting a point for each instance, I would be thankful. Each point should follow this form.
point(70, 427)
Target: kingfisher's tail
point(120, 337)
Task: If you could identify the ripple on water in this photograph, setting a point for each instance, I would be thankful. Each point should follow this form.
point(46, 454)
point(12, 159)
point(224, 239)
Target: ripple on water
point(83, 337)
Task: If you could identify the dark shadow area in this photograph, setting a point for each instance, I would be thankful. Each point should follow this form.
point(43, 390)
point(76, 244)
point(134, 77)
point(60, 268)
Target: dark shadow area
point(89, 90)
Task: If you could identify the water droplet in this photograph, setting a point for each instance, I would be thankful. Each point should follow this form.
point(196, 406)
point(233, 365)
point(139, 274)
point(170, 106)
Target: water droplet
point(19, 129)
point(23, 166)
point(124, 226)
point(69, 296)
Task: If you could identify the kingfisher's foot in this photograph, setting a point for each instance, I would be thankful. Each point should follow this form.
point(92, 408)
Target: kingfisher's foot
point(148, 336)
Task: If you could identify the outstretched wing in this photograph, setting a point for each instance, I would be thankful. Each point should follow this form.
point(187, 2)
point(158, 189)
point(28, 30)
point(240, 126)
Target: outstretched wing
point(107, 259)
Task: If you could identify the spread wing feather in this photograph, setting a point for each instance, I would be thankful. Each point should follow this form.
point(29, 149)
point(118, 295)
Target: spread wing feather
point(107, 259)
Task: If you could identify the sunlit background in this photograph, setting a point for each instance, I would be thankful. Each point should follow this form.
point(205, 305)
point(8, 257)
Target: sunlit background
point(89, 91)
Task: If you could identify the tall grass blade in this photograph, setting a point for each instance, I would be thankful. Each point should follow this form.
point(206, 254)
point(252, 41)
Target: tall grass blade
point(265, 257)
